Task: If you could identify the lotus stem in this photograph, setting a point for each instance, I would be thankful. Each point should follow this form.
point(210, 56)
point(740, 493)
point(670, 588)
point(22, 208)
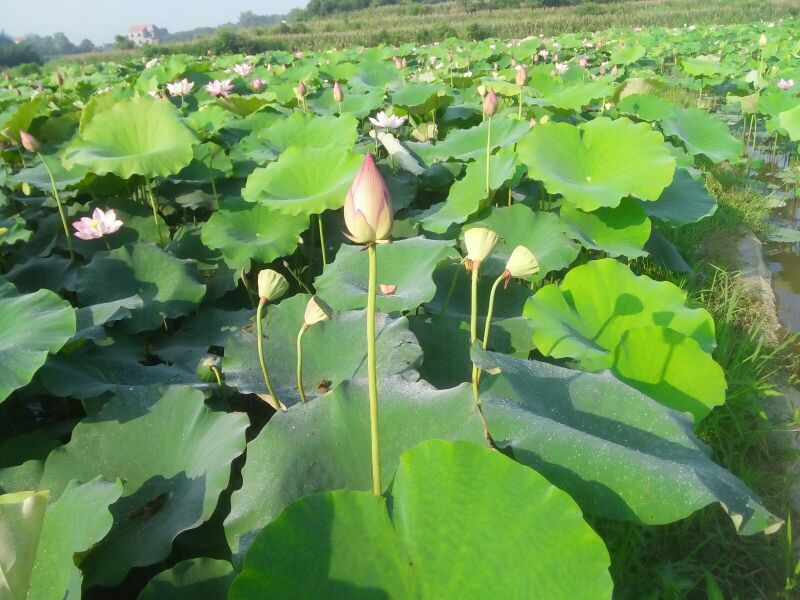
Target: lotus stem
point(473, 324)
point(450, 290)
point(300, 362)
point(260, 342)
point(488, 153)
point(488, 324)
point(154, 205)
point(519, 114)
point(340, 109)
point(60, 206)
point(322, 240)
point(216, 373)
point(377, 488)
point(21, 157)
point(700, 97)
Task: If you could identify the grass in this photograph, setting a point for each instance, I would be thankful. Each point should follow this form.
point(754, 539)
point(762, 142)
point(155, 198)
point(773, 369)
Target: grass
point(426, 23)
point(703, 556)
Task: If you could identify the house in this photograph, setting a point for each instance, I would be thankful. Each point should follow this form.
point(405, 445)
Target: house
point(141, 35)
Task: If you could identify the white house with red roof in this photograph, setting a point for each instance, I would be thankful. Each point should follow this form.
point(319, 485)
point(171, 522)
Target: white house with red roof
point(144, 34)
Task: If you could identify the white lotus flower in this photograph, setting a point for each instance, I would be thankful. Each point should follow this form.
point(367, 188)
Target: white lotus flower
point(180, 88)
point(561, 68)
point(387, 121)
point(219, 88)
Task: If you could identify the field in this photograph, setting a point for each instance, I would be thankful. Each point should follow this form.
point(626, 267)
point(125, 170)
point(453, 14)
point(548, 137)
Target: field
point(415, 320)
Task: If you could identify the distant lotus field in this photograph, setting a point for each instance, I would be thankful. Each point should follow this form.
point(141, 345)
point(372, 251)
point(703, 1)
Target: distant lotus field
point(368, 323)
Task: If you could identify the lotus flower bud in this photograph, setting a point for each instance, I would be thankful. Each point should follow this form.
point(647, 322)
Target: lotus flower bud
point(338, 93)
point(271, 285)
point(522, 76)
point(30, 143)
point(316, 311)
point(522, 263)
point(479, 243)
point(583, 62)
point(403, 63)
point(300, 91)
point(614, 71)
point(490, 103)
point(762, 41)
point(368, 206)
point(544, 120)
point(58, 78)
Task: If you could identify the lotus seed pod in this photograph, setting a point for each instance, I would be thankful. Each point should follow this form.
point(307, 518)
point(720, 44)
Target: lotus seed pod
point(338, 93)
point(30, 143)
point(368, 206)
point(316, 311)
point(271, 285)
point(522, 76)
point(522, 263)
point(479, 243)
point(490, 103)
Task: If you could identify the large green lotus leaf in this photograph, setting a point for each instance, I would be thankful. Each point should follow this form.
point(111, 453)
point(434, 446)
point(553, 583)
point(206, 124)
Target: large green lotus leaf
point(790, 121)
point(333, 351)
point(376, 74)
point(618, 453)
point(173, 456)
point(575, 97)
point(540, 232)
point(600, 162)
point(20, 116)
point(73, 523)
point(468, 194)
point(114, 363)
point(357, 104)
point(33, 326)
point(421, 98)
point(676, 372)
point(304, 180)
point(140, 136)
point(12, 230)
point(311, 131)
point(301, 452)
point(407, 264)
point(701, 65)
point(21, 519)
point(585, 316)
point(193, 579)
point(168, 286)
point(619, 231)
point(627, 55)
point(648, 107)
point(37, 176)
point(702, 133)
point(470, 144)
point(90, 319)
point(685, 200)
point(433, 543)
point(244, 231)
point(205, 328)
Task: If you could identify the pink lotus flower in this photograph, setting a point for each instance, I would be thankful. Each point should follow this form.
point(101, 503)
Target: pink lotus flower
point(786, 84)
point(219, 88)
point(583, 62)
point(100, 224)
point(368, 206)
point(257, 83)
point(243, 69)
point(180, 88)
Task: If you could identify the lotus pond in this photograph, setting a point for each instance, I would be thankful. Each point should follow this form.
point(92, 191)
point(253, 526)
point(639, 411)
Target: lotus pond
point(394, 322)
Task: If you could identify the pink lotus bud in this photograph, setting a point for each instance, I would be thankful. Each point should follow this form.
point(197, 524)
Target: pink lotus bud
point(30, 143)
point(257, 83)
point(614, 71)
point(522, 76)
point(490, 103)
point(300, 90)
point(338, 93)
point(404, 63)
point(368, 206)
point(583, 62)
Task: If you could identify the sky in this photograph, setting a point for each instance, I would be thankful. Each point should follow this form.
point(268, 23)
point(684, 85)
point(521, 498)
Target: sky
point(101, 20)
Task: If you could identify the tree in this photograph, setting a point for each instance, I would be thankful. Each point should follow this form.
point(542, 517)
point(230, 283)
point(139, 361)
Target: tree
point(86, 46)
point(122, 43)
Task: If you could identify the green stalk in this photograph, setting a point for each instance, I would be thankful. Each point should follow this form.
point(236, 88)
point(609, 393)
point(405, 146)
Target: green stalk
point(260, 343)
point(322, 240)
point(300, 362)
point(519, 115)
point(488, 152)
point(216, 373)
point(489, 313)
point(449, 292)
point(473, 324)
point(377, 488)
point(60, 206)
point(154, 205)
